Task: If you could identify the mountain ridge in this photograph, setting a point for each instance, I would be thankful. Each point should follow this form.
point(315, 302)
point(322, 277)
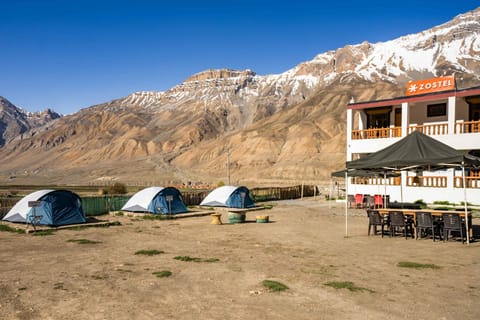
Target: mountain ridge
point(280, 128)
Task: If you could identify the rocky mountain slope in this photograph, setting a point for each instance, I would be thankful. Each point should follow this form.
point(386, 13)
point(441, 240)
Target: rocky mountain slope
point(275, 129)
point(15, 122)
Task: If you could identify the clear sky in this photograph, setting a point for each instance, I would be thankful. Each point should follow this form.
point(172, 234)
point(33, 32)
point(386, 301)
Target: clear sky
point(67, 54)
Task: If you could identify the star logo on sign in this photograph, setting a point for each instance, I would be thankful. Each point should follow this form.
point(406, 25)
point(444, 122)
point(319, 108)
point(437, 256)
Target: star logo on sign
point(412, 88)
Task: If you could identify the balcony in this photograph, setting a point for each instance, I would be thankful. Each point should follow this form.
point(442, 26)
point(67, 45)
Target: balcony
point(430, 129)
point(377, 133)
point(471, 182)
point(427, 181)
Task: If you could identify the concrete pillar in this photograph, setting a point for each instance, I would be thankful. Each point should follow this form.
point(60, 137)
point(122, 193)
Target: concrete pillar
point(405, 117)
point(451, 114)
point(349, 133)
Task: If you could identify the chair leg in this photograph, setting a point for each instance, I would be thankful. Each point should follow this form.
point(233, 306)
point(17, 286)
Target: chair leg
point(369, 226)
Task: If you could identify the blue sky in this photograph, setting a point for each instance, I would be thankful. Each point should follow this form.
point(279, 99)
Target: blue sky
point(67, 55)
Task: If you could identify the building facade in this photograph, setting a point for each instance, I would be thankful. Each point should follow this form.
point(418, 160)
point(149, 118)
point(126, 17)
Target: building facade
point(434, 107)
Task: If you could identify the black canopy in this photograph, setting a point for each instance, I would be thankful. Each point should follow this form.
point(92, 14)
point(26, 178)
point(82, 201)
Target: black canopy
point(413, 151)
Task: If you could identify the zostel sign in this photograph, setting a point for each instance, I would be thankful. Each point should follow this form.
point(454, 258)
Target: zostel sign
point(430, 85)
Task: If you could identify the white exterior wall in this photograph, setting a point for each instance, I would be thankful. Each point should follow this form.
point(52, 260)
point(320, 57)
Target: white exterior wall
point(416, 113)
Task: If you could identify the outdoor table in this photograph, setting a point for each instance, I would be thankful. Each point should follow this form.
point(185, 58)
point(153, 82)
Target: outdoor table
point(435, 213)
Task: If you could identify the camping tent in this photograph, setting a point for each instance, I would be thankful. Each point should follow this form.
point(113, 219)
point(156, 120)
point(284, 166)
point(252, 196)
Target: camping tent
point(56, 208)
point(229, 196)
point(156, 200)
point(416, 151)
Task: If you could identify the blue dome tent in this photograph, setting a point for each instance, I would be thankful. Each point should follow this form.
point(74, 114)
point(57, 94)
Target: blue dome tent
point(156, 200)
point(229, 196)
point(56, 208)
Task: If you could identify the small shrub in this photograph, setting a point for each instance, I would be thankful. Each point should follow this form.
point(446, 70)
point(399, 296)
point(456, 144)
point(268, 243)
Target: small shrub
point(445, 203)
point(272, 285)
point(162, 274)
point(117, 188)
point(415, 265)
point(346, 285)
point(149, 252)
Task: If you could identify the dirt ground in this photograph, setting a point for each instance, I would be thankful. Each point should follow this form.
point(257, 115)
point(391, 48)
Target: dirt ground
point(53, 277)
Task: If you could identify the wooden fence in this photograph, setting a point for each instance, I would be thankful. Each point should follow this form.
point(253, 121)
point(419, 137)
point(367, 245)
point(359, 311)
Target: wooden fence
point(98, 205)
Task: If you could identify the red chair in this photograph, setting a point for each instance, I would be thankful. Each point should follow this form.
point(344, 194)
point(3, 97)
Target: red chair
point(378, 201)
point(359, 200)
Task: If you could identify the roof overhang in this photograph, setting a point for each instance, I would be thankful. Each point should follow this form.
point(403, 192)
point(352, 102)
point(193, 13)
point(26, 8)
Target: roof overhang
point(420, 98)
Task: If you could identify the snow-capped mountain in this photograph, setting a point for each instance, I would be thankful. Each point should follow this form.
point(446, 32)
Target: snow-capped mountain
point(274, 127)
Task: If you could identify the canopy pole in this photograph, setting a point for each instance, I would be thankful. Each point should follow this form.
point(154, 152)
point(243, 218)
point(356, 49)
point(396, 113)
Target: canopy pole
point(346, 204)
point(330, 194)
point(403, 175)
point(465, 202)
point(384, 189)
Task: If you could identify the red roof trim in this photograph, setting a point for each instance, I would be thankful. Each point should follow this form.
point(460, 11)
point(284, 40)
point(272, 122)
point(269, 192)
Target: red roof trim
point(426, 97)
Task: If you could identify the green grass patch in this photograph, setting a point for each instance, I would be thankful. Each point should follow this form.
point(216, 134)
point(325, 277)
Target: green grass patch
point(346, 285)
point(105, 225)
point(415, 265)
point(157, 217)
point(5, 228)
point(58, 286)
point(44, 233)
point(187, 258)
point(149, 252)
point(275, 286)
point(83, 241)
point(162, 274)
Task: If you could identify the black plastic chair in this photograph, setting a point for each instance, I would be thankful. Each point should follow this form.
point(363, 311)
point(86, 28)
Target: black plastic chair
point(426, 222)
point(375, 219)
point(369, 202)
point(452, 222)
point(398, 221)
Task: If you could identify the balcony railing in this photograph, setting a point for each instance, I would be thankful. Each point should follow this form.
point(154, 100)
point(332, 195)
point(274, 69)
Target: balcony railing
point(428, 129)
point(427, 181)
point(377, 133)
point(467, 127)
point(394, 181)
point(471, 182)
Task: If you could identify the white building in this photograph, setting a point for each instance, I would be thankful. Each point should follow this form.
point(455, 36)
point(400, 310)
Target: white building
point(434, 107)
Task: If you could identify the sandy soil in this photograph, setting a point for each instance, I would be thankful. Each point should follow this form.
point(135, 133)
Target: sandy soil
point(50, 277)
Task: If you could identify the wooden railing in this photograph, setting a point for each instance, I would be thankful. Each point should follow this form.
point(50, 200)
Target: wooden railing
point(471, 182)
point(430, 129)
point(467, 127)
point(377, 133)
point(395, 181)
point(427, 181)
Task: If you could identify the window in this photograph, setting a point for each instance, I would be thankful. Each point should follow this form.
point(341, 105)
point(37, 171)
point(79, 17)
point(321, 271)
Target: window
point(378, 117)
point(437, 110)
